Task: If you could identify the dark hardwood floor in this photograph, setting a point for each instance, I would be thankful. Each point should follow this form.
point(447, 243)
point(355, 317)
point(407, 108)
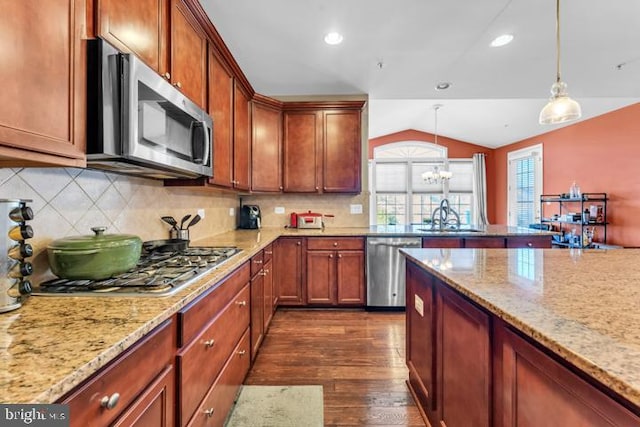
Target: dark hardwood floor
point(358, 357)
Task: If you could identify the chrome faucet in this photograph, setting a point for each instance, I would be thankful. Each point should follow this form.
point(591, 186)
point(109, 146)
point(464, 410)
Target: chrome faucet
point(444, 217)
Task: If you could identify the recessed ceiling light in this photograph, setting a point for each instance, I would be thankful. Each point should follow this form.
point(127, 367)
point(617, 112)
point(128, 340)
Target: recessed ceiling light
point(502, 40)
point(333, 38)
point(443, 86)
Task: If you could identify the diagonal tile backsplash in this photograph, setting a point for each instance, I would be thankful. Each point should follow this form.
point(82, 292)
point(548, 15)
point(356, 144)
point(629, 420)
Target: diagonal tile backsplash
point(70, 201)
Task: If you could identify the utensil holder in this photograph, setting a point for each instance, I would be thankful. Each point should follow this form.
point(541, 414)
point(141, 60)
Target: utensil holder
point(179, 234)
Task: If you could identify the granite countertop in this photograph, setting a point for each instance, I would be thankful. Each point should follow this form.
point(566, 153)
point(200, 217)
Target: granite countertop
point(581, 304)
point(51, 344)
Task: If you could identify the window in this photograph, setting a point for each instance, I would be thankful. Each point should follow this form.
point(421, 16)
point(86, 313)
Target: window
point(525, 186)
point(399, 196)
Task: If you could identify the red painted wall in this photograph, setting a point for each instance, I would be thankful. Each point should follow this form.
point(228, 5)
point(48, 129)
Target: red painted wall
point(601, 154)
point(455, 150)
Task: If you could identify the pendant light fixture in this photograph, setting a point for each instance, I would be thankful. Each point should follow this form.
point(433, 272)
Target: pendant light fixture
point(560, 107)
point(437, 175)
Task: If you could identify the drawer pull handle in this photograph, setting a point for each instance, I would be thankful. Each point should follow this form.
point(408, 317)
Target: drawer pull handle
point(258, 261)
point(110, 402)
point(530, 244)
point(209, 343)
point(241, 303)
point(268, 252)
point(209, 412)
point(242, 352)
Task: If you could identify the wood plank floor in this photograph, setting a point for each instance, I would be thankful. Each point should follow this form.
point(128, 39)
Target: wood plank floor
point(358, 357)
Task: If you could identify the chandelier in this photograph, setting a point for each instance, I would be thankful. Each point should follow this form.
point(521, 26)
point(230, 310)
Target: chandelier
point(437, 175)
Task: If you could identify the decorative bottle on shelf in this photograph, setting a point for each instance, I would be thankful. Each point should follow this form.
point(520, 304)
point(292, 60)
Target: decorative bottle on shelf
point(574, 191)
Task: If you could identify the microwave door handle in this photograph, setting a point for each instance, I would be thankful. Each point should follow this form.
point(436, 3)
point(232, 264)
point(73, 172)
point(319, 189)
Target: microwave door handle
point(206, 142)
point(198, 130)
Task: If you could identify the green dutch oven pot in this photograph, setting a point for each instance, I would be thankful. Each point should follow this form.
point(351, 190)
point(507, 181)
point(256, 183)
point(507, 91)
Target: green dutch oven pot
point(94, 257)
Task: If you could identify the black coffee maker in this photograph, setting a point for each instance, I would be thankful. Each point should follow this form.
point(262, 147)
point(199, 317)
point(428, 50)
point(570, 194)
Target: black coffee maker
point(249, 216)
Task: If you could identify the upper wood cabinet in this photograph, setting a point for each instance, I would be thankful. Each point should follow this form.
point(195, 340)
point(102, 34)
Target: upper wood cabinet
point(139, 27)
point(42, 103)
point(221, 89)
point(188, 54)
point(165, 35)
point(322, 147)
point(266, 146)
point(241, 138)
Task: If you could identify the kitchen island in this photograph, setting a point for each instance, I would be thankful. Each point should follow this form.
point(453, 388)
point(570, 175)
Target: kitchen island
point(528, 334)
point(53, 344)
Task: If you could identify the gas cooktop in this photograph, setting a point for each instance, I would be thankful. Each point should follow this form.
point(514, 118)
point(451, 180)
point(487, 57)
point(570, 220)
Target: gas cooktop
point(156, 274)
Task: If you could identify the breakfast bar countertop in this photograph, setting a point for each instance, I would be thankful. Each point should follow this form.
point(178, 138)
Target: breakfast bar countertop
point(51, 344)
point(583, 305)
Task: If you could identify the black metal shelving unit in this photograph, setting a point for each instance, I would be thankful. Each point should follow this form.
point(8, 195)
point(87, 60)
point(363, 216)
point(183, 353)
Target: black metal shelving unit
point(567, 205)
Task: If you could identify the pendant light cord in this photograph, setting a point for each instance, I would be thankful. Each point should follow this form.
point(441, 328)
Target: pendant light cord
point(436, 108)
point(558, 41)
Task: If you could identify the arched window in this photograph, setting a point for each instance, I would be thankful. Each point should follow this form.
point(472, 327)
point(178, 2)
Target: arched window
point(399, 195)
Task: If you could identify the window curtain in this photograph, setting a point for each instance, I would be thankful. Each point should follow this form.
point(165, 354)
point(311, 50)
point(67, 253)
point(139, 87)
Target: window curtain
point(479, 190)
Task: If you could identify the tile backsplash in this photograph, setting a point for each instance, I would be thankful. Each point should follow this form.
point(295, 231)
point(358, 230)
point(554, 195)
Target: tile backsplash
point(70, 201)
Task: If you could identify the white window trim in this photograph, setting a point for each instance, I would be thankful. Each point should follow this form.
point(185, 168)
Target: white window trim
point(534, 150)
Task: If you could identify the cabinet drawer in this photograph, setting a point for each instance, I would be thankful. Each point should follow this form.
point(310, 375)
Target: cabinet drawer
point(268, 253)
point(200, 362)
point(193, 317)
point(128, 376)
point(328, 243)
point(256, 263)
point(529, 242)
point(215, 407)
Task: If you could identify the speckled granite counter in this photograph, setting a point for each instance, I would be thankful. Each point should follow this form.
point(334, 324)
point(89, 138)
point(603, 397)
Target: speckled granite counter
point(52, 344)
point(582, 305)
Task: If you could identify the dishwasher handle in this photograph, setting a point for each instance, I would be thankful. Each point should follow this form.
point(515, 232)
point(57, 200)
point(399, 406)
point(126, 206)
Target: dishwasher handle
point(398, 245)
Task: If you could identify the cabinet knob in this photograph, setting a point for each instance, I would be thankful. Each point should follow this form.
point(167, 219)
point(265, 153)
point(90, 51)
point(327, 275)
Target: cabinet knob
point(166, 76)
point(298, 243)
point(530, 244)
point(330, 255)
point(110, 402)
point(209, 343)
point(241, 303)
point(317, 188)
point(242, 352)
point(339, 255)
point(335, 244)
point(178, 85)
point(209, 412)
point(281, 187)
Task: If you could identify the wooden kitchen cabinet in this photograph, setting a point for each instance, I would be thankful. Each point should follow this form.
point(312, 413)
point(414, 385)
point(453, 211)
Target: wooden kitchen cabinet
point(442, 242)
point(335, 271)
point(269, 306)
point(241, 138)
point(529, 241)
point(221, 89)
point(322, 147)
point(188, 54)
point(288, 266)
point(43, 100)
point(536, 390)
point(266, 145)
point(484, 242)
point(138, 386)
point(257, 303)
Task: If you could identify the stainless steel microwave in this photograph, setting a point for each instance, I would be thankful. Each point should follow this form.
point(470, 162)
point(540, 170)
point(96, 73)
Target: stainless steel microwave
point(138, 123)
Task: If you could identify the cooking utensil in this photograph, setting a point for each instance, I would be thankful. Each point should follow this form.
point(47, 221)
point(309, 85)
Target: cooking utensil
point(196, 219)
point(171, 221)
point(167, 245)
point(94, 257)
point(184, 219)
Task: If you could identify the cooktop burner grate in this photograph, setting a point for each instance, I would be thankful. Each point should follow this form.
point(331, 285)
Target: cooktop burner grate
point(156, 274)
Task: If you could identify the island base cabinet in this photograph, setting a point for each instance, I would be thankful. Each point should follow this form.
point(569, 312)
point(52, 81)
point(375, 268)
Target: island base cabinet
point(535, 390)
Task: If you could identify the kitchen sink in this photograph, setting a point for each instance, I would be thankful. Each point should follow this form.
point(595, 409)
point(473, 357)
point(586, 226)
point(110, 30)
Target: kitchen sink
point(449, 230)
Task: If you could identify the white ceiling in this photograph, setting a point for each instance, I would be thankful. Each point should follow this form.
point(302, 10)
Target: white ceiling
point(396, 52)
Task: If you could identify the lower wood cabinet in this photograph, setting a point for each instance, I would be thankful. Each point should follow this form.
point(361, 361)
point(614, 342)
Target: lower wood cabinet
point(469, 368)
point(335, 271)
point(288, 259)
point(137, 386)
point(542, 241)
point(257, 303)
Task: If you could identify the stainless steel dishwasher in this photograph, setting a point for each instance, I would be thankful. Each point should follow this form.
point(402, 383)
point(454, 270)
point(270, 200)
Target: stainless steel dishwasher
point(386, 271)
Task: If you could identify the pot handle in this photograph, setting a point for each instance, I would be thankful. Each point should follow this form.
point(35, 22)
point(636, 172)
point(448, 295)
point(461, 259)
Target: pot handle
point(85, 252)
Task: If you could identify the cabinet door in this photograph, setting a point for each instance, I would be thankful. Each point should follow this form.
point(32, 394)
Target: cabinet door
point(257, 317)
point(341, 152)
point(221, 110)
point(266, 155)
point(43, 97)
point(241, 139)
point(350, 278)
point(484, 242)
point(538, 391)
point(155, 406)
point(188, 54)
point(321, 277)
point(288, 268)
point(442, 242)
point(463, 362)
point(138, 27)
point(268, 294)
point(302, 136)
point(420, 352)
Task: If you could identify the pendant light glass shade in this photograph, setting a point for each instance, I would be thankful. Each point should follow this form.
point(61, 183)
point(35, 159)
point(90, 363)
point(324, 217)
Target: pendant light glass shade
point(560, 108)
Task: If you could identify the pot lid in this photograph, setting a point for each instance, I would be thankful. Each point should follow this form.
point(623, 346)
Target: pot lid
point(98, 240)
